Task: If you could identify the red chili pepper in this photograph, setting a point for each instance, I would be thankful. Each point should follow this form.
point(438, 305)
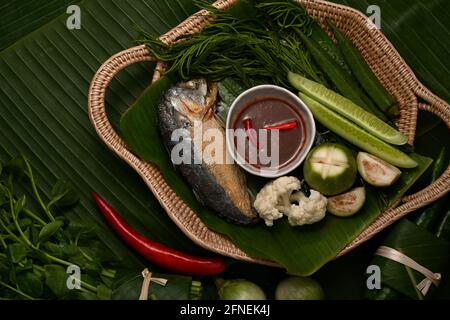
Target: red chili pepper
point(288, 125)
point(157, 253)
point(248, 126)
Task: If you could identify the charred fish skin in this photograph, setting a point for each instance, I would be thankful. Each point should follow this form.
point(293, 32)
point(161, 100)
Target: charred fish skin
point(228, 197)
point(213, 195)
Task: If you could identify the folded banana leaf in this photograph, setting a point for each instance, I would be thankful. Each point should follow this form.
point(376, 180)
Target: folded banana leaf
point(420, 245)
point(301, 250)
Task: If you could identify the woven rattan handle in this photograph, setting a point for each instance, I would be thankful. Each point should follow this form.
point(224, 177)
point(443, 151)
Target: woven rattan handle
point(441, 186)
point(97, 92)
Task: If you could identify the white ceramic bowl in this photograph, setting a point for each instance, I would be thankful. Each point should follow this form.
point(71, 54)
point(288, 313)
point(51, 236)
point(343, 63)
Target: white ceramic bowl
point(258, 93)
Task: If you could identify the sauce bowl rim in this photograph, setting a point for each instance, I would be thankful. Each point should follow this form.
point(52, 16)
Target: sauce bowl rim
point(309, 120)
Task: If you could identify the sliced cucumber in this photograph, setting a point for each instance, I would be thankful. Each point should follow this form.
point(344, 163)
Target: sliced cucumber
point(375, 171)
point(348, 109)
point(358, 136)
point(330, 168)
point(347, 204)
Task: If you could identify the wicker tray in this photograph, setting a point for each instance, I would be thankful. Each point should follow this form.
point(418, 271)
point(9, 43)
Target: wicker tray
point(385, 61)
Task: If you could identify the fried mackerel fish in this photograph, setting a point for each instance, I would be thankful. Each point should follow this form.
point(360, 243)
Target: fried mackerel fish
point(222, 187)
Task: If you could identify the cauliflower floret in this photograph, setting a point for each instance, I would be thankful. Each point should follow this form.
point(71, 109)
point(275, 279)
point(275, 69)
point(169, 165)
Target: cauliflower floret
point(277, 199)
point(273, 200)
point(309, 210)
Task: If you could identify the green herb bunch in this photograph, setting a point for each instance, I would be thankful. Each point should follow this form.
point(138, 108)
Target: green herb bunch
point(38, 246)
point(253, 41)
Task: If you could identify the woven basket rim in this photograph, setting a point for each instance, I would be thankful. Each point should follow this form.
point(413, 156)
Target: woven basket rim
point(178, 211)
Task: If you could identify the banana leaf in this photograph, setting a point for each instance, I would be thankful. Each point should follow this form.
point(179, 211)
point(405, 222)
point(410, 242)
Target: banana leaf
point(19, 18)
point(302, 250)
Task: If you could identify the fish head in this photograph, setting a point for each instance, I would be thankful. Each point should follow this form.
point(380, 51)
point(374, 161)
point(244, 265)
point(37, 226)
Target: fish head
point(194, 100)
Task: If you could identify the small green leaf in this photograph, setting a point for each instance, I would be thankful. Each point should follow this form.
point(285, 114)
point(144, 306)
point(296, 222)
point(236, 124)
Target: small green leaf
point(41, 256)
point(229, 89)
point(70, 250)
point(109, 282)
point(27, 265)
point(56, 279)
point(25, 223)
point(78, 225)
point(78, 259)
point(92, 268)
point(97, 250)
point(20, 204)
point(30, 284)
point(50, 229)
point(63, 195)
point(35, 235)
point(12, 274)
point(103, 292)
point(16, 252)
point(52, 248)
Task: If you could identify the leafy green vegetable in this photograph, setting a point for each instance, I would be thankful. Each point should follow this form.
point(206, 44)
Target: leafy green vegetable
point(39, 246)
point(49, 229)
point(229, 89)
point(63, 195)
point(30, 283)
point(56, 280)
point(16, 252)
point(243, 42)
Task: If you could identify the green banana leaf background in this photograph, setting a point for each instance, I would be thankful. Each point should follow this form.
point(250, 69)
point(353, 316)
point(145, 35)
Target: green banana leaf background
point(301, 251)
point(45, 71)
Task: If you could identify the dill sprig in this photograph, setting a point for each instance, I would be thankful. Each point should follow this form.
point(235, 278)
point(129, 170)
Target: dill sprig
point(252, 42)
point(286, 14)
